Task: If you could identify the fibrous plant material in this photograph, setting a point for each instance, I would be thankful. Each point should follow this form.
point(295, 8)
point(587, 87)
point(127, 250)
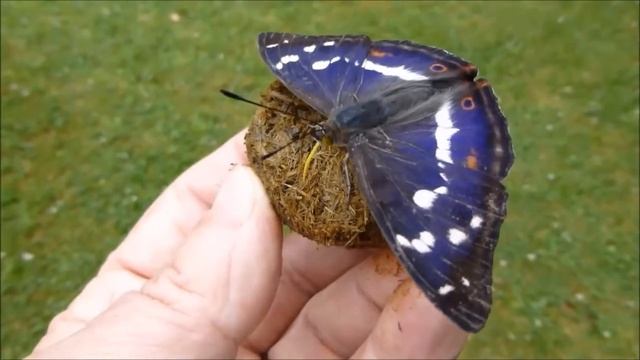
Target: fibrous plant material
point(321, 205)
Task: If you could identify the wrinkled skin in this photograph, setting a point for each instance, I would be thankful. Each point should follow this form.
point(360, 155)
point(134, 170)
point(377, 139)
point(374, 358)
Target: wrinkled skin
point(205, 273)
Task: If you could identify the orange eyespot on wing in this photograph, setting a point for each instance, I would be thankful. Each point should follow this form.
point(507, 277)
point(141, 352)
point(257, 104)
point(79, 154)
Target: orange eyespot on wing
point(471, 160)
point(467, 103)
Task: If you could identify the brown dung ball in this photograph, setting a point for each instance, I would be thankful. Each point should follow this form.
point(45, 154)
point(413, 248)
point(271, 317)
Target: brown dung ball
point(317, 206)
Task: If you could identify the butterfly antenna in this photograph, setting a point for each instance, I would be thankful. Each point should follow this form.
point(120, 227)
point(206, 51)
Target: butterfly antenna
point(294, 138)
point(235, 96)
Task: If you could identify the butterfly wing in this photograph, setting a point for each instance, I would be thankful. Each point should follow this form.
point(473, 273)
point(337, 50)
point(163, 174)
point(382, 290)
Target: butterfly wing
point(320, 70)
point(433, 187)
point(390, 61)
point(332, 71)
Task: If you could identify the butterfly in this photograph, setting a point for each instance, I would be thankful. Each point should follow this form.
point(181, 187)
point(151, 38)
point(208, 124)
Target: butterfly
point(429, 145)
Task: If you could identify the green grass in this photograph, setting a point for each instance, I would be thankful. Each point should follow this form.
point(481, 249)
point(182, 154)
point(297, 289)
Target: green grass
point(103, 104)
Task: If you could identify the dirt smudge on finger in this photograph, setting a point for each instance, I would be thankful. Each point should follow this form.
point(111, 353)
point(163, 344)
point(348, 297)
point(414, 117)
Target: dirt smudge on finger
point(400, 294)
point(387, 264)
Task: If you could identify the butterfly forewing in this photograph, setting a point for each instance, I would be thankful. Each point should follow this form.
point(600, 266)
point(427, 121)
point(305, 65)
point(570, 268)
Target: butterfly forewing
point(390, 60)
point(320, 70)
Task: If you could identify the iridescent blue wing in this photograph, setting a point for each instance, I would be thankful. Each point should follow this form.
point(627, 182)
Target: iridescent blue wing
point(389, 61)
point(320, 70)
point(333, 71)
point(433, 186)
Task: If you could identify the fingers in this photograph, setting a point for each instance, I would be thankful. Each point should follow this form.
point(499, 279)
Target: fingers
point(95, 298)
point(307, 268)
point(152, 242)
point(226, 273)
point(367, 312)
point(336, 321)
point(411, 327)
point(202, 305)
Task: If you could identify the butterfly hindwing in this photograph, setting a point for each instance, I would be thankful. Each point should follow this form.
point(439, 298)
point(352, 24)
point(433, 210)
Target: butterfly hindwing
point(439, 211)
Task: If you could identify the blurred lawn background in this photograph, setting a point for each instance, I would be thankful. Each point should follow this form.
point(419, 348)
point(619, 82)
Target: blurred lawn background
point(104, 103)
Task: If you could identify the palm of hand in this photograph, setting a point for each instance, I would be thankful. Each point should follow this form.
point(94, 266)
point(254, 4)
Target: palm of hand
point(205, 274)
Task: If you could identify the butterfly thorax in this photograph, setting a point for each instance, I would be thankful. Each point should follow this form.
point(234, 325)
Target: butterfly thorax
point(394, 104)
point(345, 122)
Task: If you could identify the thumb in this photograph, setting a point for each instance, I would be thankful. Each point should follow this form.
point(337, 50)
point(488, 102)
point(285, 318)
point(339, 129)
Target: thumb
point(226, 273)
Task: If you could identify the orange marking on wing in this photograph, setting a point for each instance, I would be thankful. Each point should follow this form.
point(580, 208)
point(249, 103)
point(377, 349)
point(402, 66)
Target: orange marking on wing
point(377, 53)
point(471, 70)
point(471, 161)
point(482, 83)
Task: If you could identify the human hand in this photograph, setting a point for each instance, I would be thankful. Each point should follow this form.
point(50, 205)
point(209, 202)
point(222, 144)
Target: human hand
point(205, 274)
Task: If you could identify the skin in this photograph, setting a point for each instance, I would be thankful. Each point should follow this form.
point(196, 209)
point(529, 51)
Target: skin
point(206, 273)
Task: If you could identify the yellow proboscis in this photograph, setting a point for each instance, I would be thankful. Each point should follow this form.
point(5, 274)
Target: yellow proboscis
point(314, 151)
point(307, 161)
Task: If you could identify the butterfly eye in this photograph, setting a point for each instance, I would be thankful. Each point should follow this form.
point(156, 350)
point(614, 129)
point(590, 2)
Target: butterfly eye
point(467, 103)
point(437, 68)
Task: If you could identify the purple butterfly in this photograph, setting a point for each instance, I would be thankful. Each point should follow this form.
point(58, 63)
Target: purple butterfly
point(430, 147)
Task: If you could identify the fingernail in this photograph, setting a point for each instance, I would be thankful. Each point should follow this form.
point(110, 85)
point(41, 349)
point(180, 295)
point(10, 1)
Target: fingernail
point(236, 198)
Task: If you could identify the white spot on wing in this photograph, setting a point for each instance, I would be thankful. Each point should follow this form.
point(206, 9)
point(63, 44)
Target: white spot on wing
point(444, 132)
point(465, 282)
point(441, 190)
point(420, 246)
point(329, 43)
point(424, 198)
point(444, 155)
point(476, 221)
point(309, 49)
point(397, 71)
point(456, 236)
point(444, 290)
point(428, 238)
point(320, 64)
point(424, 243)
point(323, 64)
point(272, 45)
point(289, 58)
point(402, 240)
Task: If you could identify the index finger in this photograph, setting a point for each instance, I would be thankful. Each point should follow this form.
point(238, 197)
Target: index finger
point(152, 242)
